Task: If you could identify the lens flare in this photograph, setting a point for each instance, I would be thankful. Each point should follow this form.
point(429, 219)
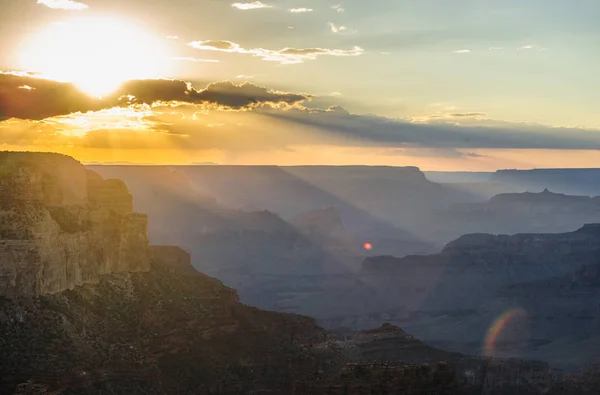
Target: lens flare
point(368, 246)
point(496, 329)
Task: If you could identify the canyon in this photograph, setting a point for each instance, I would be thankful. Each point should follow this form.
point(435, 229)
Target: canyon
point(95, 308)
point(440, 294)
point(95, 298)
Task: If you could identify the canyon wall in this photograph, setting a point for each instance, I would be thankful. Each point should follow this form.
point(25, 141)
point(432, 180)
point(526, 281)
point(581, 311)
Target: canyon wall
point(62, 225)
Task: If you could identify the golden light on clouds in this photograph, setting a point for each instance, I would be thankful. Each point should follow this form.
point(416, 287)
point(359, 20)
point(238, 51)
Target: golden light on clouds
point(97, 54)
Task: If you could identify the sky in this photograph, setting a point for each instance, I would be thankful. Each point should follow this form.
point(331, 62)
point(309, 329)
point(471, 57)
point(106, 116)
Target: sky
point(439, 84)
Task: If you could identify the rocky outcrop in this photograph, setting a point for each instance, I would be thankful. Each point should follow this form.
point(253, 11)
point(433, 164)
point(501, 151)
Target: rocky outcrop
point(510, 213)
point(388, 360)
point(176, 258)
point(562, 252)
point(155, 332)
point(62, 225)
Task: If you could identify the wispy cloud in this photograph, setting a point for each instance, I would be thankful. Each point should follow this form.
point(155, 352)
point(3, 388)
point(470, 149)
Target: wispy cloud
point(245, 77)
point(196, 60)
point(173, 38)
point(496, 48)
point(425, 152)
point(526, 47)
point(300, 10)
point(467, 114)
point(462, 51)
point(283, 56)
point(337, 29)
point(251, 6)
point(340, 29)
point(63, 4)
point(338, 8)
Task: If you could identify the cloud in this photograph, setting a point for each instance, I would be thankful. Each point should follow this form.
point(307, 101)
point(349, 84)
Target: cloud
point(431, 153)
point(340, 29)
point(283, 56)
point(196, 60)
point(468, 114)
point(150, 113)
point(63, 4)
point(368, 130)
point(224, 93)
point(251, 6)
point(526, 47)
point(496, 48)
point(300, 10)
point(246, 77)
point(47, 98)
point(338, 7)
point(462, 51)
point(42, 99)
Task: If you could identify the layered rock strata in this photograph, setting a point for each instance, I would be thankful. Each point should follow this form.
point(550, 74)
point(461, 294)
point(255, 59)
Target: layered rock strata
point(62, 225)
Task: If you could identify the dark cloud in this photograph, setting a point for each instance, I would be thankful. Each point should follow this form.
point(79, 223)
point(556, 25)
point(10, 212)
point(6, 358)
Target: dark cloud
point(431, 153)
point(236, 96)
point(28, 97)
point(223, 93)
point(370, 130)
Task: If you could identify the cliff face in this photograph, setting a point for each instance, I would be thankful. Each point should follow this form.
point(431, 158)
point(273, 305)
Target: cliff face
point(510, 213)
point(486, 252)
point(62, 225)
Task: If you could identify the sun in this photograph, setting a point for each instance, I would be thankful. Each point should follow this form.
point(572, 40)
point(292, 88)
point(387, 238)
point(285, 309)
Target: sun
point(97, 54)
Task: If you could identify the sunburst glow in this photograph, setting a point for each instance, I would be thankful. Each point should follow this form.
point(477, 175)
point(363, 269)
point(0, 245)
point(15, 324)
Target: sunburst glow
point(97, 54)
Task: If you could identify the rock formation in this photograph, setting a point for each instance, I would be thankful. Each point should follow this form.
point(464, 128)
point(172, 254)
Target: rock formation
point(509, 213)
point(92, 309)
point(88, 307)
point(62, 225)
point(375, 203)
point(569, 181)
point(451, 299)
point(560, 317)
